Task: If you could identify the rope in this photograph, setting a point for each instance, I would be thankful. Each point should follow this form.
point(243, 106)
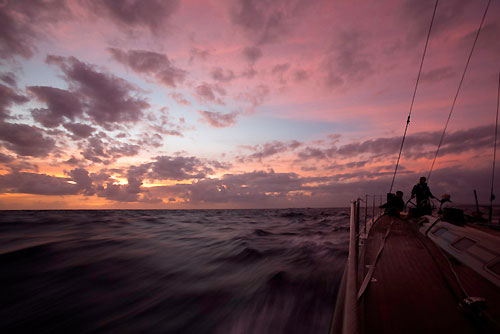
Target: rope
point(458, 90)
point(492, 196)
point(414, 94)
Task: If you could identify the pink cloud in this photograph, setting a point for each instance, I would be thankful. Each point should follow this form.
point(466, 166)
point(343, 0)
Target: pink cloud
point(210, 93)
point(302, 68)
point(150, 14)
point(217, 119)
point(179, 98)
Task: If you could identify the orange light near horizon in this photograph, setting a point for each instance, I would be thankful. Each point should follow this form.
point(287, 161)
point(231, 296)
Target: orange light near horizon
point(163, 183)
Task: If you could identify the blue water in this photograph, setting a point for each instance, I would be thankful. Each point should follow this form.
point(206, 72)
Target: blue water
point(175, 271)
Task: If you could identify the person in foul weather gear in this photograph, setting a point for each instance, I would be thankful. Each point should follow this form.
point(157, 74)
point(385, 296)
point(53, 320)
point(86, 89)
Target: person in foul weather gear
point(423, 194)
point(395, 204)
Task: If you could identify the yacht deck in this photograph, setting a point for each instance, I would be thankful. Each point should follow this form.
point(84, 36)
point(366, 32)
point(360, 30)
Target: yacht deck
point(413, 289)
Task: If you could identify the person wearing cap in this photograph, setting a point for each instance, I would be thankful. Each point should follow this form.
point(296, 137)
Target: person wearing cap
point(448, 213)
point(445, 203)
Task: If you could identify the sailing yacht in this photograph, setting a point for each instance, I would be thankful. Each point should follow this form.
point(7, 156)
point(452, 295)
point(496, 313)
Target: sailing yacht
point(428, 274)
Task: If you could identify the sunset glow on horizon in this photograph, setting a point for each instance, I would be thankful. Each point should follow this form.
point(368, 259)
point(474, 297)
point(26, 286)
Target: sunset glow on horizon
point(240, 103)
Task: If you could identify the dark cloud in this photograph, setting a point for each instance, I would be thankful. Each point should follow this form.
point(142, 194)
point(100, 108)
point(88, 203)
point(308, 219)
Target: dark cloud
point(39, 184)
point(179, 168)
point(151, 63)
point(347, 61)
point(151, 14)
point(83, 180)
point(25, 140)
point(109, 99)
point(100, 151)
point(9, 97)
point(138, 172)
point(14, 40)
point(312, 153)
point(255, 188)
point(456, 180)
point(130, 192)
point(4, 158)
point(219, 74)
point(155, 140)
point(207, 92)
point(269, 149)
point(424, 144)
point(418, 145)
point(163, 168)
point(79, 129)
point(22, 22)
point(124, 150)
point(95, 150)
point(19, 164)
point(78, 182)
point(118, 192)
point(73, 161)
point(267, 21)
point(252, 54)
point(219, 165)
point(349, 165)
point(61, 105)
point(438, 74)
point(270, 189)
point(9, 78)
point(218, 119)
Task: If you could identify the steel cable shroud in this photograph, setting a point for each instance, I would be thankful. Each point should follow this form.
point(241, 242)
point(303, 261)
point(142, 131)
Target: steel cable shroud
point(414, 94)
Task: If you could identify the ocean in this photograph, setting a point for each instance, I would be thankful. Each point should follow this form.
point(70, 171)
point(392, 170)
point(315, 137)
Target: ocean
point(171, 271)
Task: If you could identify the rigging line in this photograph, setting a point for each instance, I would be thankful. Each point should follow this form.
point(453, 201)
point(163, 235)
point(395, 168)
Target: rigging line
point(492, 196)
point(414, 94)
point(458, 89)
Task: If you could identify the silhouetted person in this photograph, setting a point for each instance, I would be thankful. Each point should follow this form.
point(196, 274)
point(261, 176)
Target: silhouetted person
point(423, 193)
point(448, 213)
point(395, 204)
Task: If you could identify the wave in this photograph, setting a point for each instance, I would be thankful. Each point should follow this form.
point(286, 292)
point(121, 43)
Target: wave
point(182, 271)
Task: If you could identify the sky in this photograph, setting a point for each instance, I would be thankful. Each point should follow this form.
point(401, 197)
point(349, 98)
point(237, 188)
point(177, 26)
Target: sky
point(152, 104)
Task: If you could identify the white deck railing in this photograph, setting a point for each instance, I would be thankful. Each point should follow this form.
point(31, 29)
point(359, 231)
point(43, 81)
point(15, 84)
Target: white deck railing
point(346, 316)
